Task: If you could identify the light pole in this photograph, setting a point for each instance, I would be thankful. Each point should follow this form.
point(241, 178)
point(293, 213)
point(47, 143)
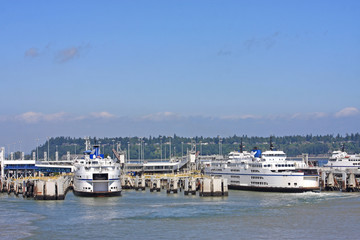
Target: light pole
point(220, 146)
point(9, 150)
point(14, 150)
point(161, 149)
point(128, 151)
point(139, 149)
point(48, 140)
point(200, 147)
point(113, 141)
point(170, 150)
point(143, 149)
point(37, 150)
point(182, 150)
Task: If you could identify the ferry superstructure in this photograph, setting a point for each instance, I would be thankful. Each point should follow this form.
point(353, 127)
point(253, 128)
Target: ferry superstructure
point(268, 172)
point(343, 160)
point(96, 176)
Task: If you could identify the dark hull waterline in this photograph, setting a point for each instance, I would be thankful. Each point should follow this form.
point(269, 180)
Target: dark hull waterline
point(272, 189)
point(97, 194)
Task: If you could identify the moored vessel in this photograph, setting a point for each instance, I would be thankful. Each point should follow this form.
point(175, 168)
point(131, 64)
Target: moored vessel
point(343, 160)
point(269, 171)
point(96, 175)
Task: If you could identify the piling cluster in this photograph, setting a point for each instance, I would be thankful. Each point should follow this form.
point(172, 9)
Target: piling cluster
point(339, 181)
point(38, 189)
point(175, 184)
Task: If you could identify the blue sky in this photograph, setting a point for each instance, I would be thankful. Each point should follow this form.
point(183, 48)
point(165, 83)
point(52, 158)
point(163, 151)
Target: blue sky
point(140, 68)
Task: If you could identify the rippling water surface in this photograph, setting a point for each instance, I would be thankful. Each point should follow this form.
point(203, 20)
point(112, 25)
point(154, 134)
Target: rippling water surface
point(134, 215)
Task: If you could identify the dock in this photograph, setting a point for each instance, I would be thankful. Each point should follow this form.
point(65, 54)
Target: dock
point(190, 184)
point(333, 179)
point(38, 188)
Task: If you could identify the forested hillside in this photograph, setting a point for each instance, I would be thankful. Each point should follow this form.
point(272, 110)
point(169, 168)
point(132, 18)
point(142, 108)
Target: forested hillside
point(152, 146)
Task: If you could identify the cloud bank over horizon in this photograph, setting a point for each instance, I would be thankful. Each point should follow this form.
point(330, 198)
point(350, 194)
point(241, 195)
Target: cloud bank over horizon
point(33, 125)
point(35, 117)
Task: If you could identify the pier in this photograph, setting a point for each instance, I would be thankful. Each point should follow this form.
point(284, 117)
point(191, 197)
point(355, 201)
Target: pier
point(190, 184)
point(339, 180)
point(38, 188)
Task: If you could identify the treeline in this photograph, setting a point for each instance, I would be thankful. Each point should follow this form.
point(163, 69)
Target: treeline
point(160, 147)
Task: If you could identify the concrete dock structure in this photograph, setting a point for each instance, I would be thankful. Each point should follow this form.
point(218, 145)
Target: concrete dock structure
point(38, 188)
point(345, 180)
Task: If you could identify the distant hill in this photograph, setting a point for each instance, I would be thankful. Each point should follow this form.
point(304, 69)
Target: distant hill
point(291, 145)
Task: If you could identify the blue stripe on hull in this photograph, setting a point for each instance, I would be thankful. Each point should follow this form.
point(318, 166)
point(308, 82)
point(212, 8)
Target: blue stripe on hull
point(259, 174)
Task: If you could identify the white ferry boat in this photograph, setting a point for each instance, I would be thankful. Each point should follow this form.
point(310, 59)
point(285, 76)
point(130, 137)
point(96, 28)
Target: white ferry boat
point(268, 172)
point(96, 176)
point(343, 160)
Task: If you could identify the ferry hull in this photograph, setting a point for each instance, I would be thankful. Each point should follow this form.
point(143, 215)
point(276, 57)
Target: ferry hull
point(97, 194)
point(272, 189)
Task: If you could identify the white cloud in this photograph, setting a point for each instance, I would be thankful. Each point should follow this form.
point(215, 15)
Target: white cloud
point(307, 116)
point(267, 42)
point(102, 115)
point(161, 116)
point(240, 117)
point(67, 54)
point(29, 117)
point(70, 53)
point(34, 117)
point(54, 117)
point(347, 112)
point(32, 52)
point(302, 116)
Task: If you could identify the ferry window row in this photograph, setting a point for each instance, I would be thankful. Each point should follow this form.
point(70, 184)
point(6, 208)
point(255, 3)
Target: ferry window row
point(284, 165)
point(260, 183)
point(269, 165)
point(256, 177)
point(256, 165)
point(134, 167)
point(274, 155)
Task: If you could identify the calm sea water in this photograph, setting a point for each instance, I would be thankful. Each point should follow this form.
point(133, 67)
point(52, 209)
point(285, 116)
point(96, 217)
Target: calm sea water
point(136, 215)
